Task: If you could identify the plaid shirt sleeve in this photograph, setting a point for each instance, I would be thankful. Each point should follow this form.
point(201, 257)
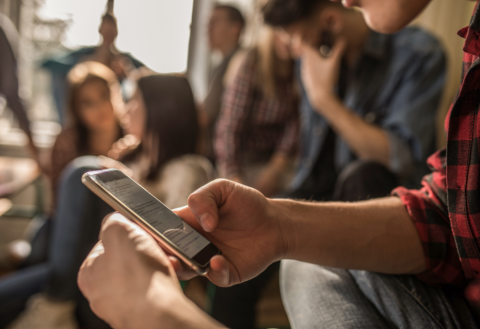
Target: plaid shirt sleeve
point(428, 209)
point(237, 103)
point(446, 210)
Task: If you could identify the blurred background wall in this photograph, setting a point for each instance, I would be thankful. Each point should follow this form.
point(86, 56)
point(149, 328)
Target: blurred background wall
point(443, 18)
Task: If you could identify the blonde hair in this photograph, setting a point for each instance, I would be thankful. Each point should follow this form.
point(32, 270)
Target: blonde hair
point(267, 62)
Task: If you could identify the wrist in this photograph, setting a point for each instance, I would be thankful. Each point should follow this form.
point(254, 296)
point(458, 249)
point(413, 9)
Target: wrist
point(326, 102)
point(171, 313)
point(286, 243)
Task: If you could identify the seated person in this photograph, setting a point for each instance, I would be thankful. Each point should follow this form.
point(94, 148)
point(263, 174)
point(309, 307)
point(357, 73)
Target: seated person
point(123, 64)
point(258, 125)
point(397, 262)
point(164, 118)
point(225, 28)
point(95, 107)
point(361, 142)
point(368, 110)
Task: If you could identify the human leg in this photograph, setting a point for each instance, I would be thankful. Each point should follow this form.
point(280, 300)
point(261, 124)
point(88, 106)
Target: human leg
point(76, 226)
point(17, 288)
point(235, 306)
point(362, 180)
point(321, 297)
point(410, 303)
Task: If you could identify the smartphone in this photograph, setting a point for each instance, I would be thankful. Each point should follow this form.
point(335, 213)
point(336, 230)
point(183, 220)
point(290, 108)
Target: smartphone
point(134, 202)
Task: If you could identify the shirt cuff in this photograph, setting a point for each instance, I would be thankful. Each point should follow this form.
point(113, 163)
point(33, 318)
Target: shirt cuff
point(401, 158)
point(441, 258)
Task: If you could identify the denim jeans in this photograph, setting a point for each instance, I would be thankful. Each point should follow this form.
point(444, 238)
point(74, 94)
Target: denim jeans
point(322, 297)
point(77, 222)
point(76, 226)
point(17, 288)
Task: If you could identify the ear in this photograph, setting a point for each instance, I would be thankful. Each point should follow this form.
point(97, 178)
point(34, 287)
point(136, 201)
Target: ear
point(332, 19)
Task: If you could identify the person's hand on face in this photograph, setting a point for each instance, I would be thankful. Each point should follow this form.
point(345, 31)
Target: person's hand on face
point(320, 74)
point(130, 282)
point(242, 223)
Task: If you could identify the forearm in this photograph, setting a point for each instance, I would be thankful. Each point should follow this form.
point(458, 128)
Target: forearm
point(368, 142)
point(178, 313)
point(376, 235)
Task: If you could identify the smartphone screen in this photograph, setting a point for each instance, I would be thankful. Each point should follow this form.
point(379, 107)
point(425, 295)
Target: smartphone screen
point(157, 215)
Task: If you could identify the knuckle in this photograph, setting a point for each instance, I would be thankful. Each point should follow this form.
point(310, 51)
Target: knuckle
point(114, 230)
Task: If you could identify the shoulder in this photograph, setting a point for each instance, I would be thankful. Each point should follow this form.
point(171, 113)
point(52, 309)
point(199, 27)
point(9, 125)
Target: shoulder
point(235, 64)
point(418, 41)
point(246, 59)
point(134, 60)
point(190, 165)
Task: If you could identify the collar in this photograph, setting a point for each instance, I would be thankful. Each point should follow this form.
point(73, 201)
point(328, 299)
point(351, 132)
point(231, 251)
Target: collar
point(375, 45)
point(471, 34)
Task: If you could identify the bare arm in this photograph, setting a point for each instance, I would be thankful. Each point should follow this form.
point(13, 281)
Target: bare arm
point(130, 282)
point(319, 76)
point(253, 232)
point(376, 235)
point(367, 141)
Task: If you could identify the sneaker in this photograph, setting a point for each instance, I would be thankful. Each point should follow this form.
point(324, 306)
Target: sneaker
point(43, 313)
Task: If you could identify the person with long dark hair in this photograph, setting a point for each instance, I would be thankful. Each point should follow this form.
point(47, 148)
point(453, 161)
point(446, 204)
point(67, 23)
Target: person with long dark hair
point(162, 116)
point(169, 138)
point(410, 260)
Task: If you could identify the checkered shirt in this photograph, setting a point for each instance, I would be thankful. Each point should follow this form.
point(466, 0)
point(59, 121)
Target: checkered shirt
point(446, 211)
point(252, 122)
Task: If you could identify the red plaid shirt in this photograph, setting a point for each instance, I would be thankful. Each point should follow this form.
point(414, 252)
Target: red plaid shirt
point(252, 122)
point(446, 211)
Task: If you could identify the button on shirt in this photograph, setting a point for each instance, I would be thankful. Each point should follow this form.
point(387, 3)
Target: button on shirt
point(397, 85)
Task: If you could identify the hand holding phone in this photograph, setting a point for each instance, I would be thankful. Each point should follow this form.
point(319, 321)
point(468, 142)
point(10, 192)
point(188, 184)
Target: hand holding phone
point(174, 235)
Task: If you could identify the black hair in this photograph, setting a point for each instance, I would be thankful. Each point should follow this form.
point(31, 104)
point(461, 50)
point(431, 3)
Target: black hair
point(286, 12)
point(171, 124)
point(234, 15)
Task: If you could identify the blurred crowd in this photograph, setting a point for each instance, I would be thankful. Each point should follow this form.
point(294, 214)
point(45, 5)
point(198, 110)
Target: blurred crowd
point(351, 126)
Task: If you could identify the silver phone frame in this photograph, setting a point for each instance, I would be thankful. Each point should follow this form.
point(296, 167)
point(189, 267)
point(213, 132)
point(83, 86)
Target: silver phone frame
point(112, 201)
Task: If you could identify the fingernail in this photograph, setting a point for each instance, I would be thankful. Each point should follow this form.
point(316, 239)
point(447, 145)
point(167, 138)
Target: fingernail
point(206, 221)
